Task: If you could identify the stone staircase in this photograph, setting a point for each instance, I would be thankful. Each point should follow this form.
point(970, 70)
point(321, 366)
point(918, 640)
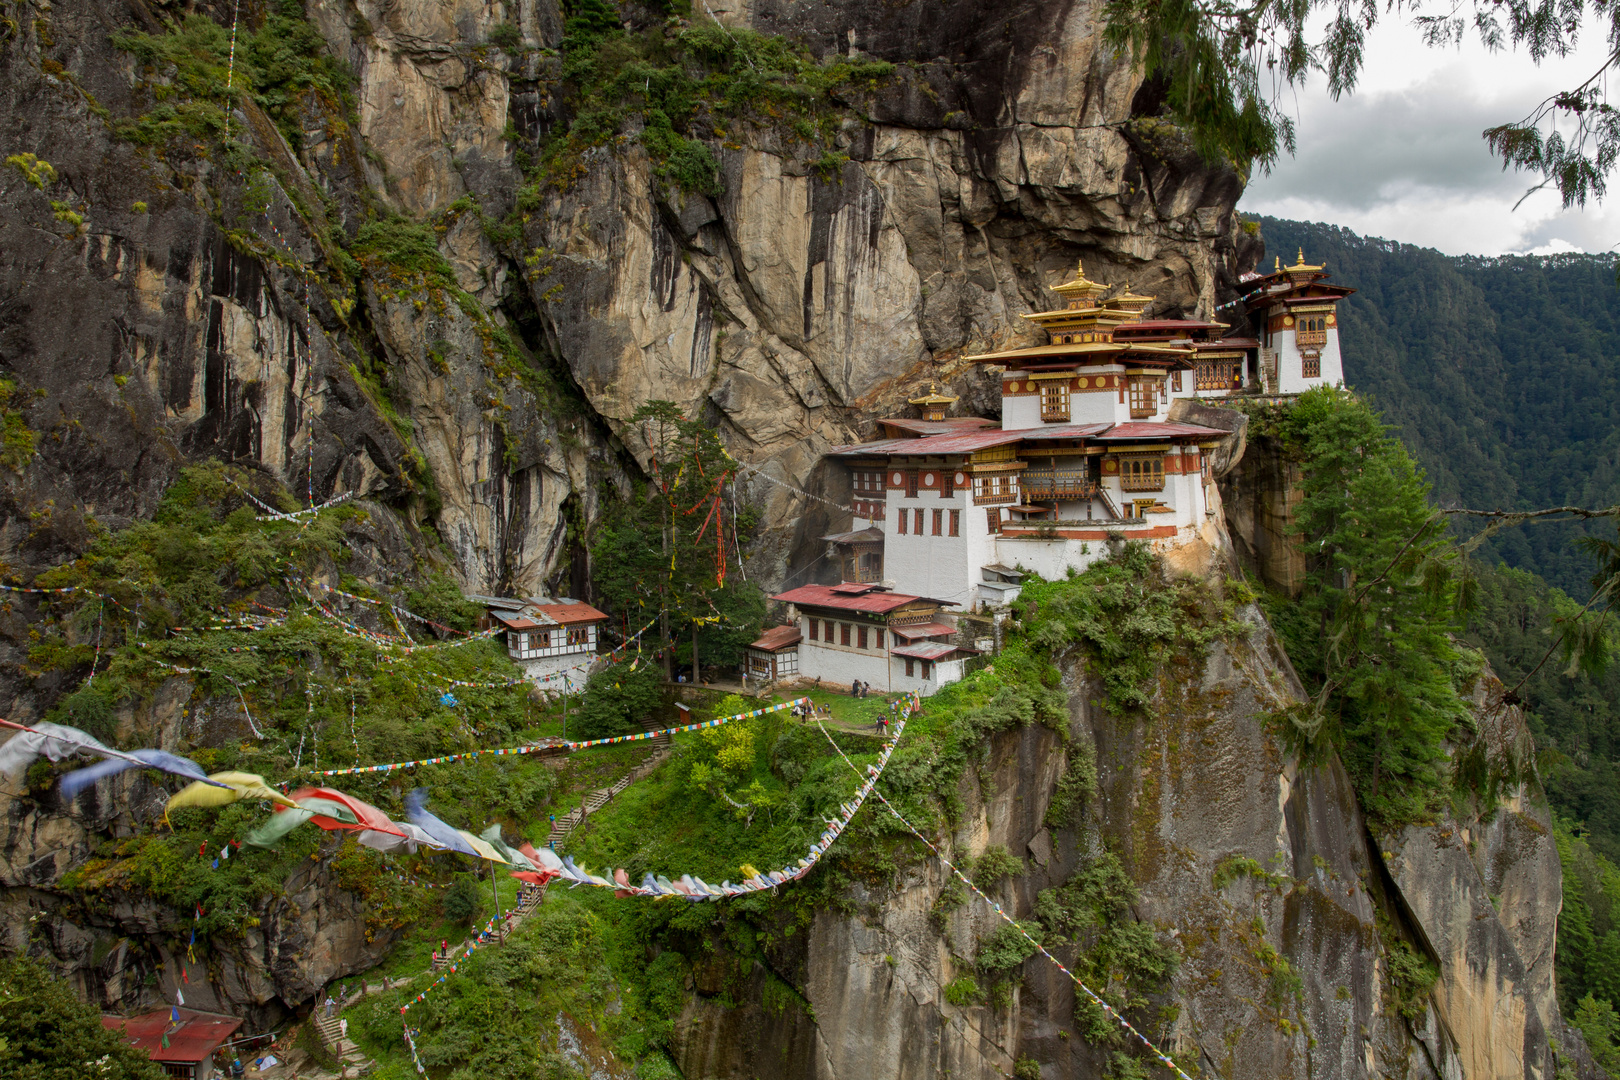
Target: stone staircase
point(662, 746)
point(351, 1060)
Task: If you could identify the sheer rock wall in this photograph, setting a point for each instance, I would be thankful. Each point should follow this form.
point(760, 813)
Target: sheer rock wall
point(1205, 782)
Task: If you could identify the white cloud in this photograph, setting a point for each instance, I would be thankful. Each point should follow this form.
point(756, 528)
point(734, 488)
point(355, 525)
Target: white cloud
point(1403, 157)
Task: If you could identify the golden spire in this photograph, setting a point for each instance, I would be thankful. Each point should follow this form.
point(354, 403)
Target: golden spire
point(933, 403)
point(1081, 292)
point(1300, 267)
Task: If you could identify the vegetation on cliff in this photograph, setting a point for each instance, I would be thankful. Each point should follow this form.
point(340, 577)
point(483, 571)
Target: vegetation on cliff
point(47, 1033)
point(1371, 633)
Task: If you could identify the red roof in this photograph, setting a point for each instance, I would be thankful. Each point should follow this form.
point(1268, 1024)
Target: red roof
point(194, 1038)
point(875, 601)
point(1150, 430)
point(518, 622)
point(939, 427)
point(776, 638)
point(569, 614)
point(1228, 343)
point(926, 630)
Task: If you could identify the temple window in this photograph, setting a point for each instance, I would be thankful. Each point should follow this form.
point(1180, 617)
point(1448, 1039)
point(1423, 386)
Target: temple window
point(843, 633)
point(1312, 330)
point(1055, 401)
point(939, 522)
point(1142, 398)
point(1311, 367)
point(947, 484)
point(1141, 472)
point(911, 484)
point(860, 637)
point(956, 523)
point(917, 521)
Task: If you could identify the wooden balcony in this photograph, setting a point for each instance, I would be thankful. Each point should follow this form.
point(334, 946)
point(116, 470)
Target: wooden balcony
point(994, 498)
point(1057, 484)
point(1055, 414)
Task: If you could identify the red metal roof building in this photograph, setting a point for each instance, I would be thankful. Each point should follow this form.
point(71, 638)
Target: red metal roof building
point(182, 1041)
point(775, 655)
point(862, 632)
point(552, 640)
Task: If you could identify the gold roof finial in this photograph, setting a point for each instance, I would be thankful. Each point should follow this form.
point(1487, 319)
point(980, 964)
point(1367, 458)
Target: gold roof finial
point(1276, 266)
point(1301, 266)
point(1081, 292)
point(933, 397)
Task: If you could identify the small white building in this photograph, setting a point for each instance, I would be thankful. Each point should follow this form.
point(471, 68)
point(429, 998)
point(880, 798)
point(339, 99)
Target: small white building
point(547, 637)
point(896, 642)
point(775, 655)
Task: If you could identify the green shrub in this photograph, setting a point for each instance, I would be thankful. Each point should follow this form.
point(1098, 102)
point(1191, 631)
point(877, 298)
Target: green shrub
point(1411, 978)
point(46, 1033)
point(463, 901)
point(963, 991)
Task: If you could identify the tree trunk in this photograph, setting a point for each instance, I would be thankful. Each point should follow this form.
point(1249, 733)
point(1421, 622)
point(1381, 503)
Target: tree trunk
point(696, 676)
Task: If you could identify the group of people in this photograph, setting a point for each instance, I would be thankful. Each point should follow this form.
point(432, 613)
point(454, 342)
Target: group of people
point(860, 689)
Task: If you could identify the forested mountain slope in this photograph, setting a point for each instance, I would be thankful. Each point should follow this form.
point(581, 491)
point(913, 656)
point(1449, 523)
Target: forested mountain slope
point(1501, 374)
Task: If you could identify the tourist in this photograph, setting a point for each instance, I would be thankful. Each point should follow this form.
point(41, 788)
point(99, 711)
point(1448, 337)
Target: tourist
point(330, 1004)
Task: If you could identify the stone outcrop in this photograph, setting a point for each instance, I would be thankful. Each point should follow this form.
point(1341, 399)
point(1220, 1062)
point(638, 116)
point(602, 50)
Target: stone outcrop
point(1280, 902)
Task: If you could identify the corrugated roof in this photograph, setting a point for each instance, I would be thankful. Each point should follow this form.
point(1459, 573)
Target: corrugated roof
point(571, 614)
point(776, 638)
point(521, 622)
point(506, 603)
point(873, 602)
point(1079, 350)
point(1062, 431)
point(1167, 324)
point(962, 443)
point(869, 535)
point(928, 650)
point(1150, 430)
point(1228, 343)
point(926, 630)
point(194, 1038)
point(937, 427)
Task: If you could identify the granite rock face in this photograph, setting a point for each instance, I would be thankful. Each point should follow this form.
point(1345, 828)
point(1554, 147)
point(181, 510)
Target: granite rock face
point(1281, 904)
point(193, 310)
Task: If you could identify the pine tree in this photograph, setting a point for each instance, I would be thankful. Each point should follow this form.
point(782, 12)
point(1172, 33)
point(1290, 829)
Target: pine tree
point(1380, 595)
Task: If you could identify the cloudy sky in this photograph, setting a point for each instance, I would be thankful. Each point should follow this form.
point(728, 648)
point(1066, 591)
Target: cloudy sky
point(1402, 158)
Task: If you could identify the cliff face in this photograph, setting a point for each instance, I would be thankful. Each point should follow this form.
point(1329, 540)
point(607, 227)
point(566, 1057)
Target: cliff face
point(194, 309)
point(1284, 909)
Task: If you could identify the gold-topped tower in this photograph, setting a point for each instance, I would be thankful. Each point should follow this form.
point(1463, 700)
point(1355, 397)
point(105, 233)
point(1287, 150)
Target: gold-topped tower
point(933, 403)
point(1082, 292)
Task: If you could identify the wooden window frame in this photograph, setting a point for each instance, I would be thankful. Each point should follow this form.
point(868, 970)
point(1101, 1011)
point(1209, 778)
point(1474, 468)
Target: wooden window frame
point(1140, 390)
point(1055, 401)
point(860, 637)
point(1175, 380)
point(926, 666)
point(878, 642)
point(909, 668)
point(939, 523)
point(579, 635)
point(956, 523)
point(1310, 367)
point(1141, 472)
point(913, 479)
point(992, 518)
point(814, 636)
point(843, 633)
point(917, 521)
point(947, 484)
point(902, 523)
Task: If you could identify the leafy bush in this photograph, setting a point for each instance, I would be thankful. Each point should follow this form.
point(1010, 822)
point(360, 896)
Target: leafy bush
point(463, 901)
point(615, 699)
point(996, 863)
point(963, 991)
point(1121, 958)
point(46, 1033)
point(1411, 978)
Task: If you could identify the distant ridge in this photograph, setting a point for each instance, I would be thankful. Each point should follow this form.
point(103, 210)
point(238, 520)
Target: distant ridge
point(1501, 373)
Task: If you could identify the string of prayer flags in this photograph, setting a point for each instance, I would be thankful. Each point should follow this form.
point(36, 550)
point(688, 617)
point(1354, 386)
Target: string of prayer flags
point(638, 736)
point(695, 888)
point(416, 812)
point(236, 785)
